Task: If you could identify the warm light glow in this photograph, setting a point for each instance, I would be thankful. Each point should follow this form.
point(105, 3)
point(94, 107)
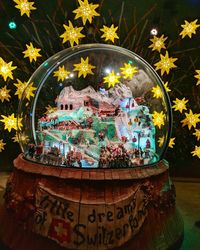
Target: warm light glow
point(86, 11)
point(72, 34)
point(191, 119)
point(61, 73)
point(166, 63)
point(24, 6)
point(109, 33)
point(84, 68)
point(31, 52)
point(189, 28)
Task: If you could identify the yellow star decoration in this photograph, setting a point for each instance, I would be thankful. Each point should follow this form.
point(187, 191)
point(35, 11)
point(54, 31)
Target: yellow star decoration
point(196, 151)
point(161, 141)
point(158, 43)
point(179, 105)
point(72, 34)
point(24, 6)
point(191, 119)
point(31, 52)
point(22, 86)
point(61, 73)
point(171, 142)
point(50, 109)
point(21, 136)
point(197, 134)
point(6, 69)
point(197, 76)
point(2, 144)
point(128, 71)
point(166, 63)
point(11, 122)
point(157, 92)
point(109, 33)
point(4, 94)
point(84, 67)
point(111, 79)
point(189, 28)
point(86, 11)
point(166, 87)
point(158, 118)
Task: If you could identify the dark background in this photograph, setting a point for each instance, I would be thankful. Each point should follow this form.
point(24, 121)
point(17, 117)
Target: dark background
point(135, 20)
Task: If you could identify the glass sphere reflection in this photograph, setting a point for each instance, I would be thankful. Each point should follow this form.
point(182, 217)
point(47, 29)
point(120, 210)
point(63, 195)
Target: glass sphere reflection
point(96, 106)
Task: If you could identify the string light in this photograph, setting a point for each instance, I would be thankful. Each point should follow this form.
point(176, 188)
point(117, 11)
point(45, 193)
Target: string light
point(154, 32)
point(12, 25)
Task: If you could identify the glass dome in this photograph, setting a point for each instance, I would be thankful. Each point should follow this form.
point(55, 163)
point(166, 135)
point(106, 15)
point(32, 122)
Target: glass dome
point(95, 106)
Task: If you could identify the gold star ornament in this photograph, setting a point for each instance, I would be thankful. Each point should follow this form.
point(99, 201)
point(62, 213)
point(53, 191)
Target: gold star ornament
point(196, 151)
point(31, 52)
point(157, 92)
point(2, 144)
point(61, 73)
point(20, 137)
point(128, 71)
point(158, 118)
point(4, 94)
point(166, 87)
point(6, 69)
point(189, 28)
point(180, 105)
point(21, 86)
point(109, 33)
point(72, 34)
point(111, 79)
point(50, 109)
point(86, 11)
point(197, 76)
point(166, 63)
point(197, 134)
point(84, 68)
point(171, 142)
point(10, 122)
point(158, 43)
point(191, 119)
point(161, 141)
point(24, 6)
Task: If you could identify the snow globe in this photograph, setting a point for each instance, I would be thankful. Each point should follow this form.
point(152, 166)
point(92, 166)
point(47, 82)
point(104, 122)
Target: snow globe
point(96, 106)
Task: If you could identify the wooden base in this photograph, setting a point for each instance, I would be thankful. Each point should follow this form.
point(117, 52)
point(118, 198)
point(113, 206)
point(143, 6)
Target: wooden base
point(104, 189)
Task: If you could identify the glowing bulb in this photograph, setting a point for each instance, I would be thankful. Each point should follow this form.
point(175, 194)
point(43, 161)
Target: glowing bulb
point(71, 75)
point(154, 32)
point(12, 25)
point(107, 70)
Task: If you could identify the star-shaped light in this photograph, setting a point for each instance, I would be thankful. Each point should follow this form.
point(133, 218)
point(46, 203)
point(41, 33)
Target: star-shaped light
point(50, 109)
point(61, 73)
point(84, 68)
point(20, 137)
point(196, 151)
point(72, 34)
point(191, 119)
point(157, 92)
point(161, 141)
point(2, 144)
point(4, 94)
point(166, 87)
point(197, 134)
point(86, 11)
point(180, 105)
point(10, 122)
point(6, 69)
point(109, 33)
point(158, 43)
point(171, 142)
point(158, 118)
point(189, 28)
point(31, 52)
point(197, 76)
point(128, 71)
point(166, 63)
point(111, 79)
point(21, 86)
point(24, 6)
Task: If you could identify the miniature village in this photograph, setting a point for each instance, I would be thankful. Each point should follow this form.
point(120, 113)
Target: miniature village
point(96, 129)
